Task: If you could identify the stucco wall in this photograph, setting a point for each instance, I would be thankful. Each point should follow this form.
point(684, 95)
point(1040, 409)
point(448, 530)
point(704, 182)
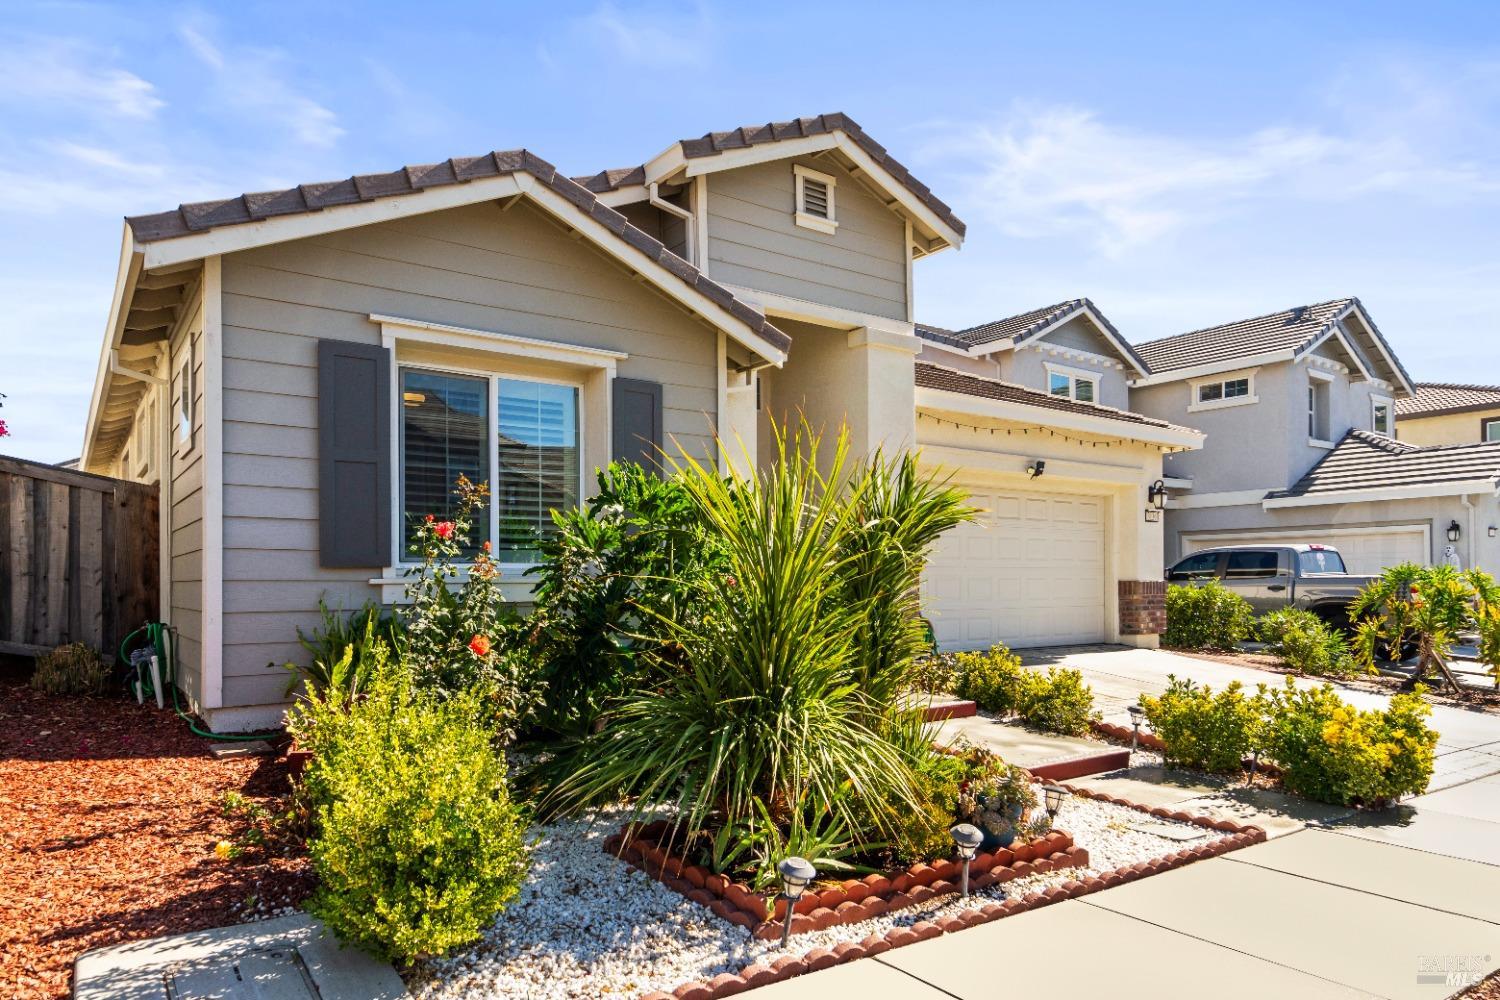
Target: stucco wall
point(1452, 428)
point(1027, 366)
point(476, 267)
point(753, 240)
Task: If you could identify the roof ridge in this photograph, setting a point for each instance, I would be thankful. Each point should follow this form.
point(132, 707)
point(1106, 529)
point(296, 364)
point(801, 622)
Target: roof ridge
point(1348, 299)
point(1469, 386)
point(1049, 311)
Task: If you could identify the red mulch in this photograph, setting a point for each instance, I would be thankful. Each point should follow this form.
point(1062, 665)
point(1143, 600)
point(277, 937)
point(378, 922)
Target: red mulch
point(109, 813)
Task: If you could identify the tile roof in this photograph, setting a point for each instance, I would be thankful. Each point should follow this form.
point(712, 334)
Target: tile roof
point(1023, 326)
point(714, 143)
point(1367, 461)
point(304, 198)
point(1435, 398)
point(931, 376)
point(1289, 329)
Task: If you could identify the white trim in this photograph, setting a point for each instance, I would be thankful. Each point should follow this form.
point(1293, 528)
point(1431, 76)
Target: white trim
point(1074, 376)
point(1321, 376)
point(182, 444)
point(866, 336)
point(774, 304)
point(721, 397)
point(1390, 414)
point(1313, 442)
point(211, 674)
point(1380, 345)
point(393, 328)
point(942, 400)
point(766, 152)
point(1195, 388)
point(1177, 482)
point(126, 274)
point(1099, 324)
point(699, 200)
point(976, 465)
point(827, 225)
point(1072, 354)
point(1231, 498)
point(1214, 368)
point(1417, 492)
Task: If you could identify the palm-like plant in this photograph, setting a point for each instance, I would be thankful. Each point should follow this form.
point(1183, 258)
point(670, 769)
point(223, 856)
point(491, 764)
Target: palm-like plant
point(768, 713)
point(1429, 606)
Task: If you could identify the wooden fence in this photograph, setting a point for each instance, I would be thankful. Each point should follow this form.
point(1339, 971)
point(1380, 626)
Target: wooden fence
point(78, 557)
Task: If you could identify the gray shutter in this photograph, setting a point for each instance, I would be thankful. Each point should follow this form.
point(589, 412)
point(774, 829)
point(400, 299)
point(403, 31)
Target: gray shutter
point(354, 454)
point(637, 422)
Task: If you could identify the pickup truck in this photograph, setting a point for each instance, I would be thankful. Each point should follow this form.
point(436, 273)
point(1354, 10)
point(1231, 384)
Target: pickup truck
point(1270, 577)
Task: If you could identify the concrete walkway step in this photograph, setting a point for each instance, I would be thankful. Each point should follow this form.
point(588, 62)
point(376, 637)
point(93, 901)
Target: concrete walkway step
point(1046, 755)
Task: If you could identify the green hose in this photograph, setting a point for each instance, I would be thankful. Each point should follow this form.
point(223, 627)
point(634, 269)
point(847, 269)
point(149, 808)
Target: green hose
point(163, 639)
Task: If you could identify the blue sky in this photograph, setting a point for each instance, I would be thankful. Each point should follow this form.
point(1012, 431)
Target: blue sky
point(1181, 164)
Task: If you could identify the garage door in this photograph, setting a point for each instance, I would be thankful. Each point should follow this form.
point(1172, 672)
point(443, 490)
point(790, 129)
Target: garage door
point(1028, 572)
point(1366, 551)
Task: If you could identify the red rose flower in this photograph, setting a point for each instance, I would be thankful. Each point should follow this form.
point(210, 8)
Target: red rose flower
point(430, 519)
point(444, 529)
point(486, 547)
point(479, 646)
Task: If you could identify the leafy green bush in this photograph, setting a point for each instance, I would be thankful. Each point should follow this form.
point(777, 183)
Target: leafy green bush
point(1207, 616)
point(417, 845)
point(936, 674)
point(71, 670)
point(635, 556)
point(1307, 644)
point(1204, 730)
point(1057, 701)
point(991, 679)
point(1331, 751)
point(347, 651)
point(461, 637)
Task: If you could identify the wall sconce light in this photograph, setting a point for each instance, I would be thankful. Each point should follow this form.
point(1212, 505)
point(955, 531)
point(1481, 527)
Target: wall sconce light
point(1158, 495)
point(1035, 469)
point(1453, 531)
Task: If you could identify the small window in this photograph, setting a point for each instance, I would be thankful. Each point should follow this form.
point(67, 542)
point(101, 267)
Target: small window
point(1318, 392)
point(1316, 561)
point(444, 434)
point(816, 208)
point(1237, 390)
point(1380, 416)
point(185, 397)
point(1203, 566)
point(1491, 429)
point(1250, 565)
point(1072, 383)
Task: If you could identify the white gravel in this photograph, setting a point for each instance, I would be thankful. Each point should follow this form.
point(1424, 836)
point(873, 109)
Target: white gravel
point(587, 925)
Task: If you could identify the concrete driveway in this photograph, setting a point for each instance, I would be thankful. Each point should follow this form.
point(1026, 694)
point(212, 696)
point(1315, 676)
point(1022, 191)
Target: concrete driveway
point(1468, 741)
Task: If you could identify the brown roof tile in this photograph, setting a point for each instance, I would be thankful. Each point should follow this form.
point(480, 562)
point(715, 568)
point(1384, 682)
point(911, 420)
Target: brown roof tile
point(1435, 398)
point(1367, 461)
point(930, 376)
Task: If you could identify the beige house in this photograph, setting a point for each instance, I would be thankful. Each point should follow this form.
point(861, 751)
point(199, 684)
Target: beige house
point(1442, 413)
point(305, 371)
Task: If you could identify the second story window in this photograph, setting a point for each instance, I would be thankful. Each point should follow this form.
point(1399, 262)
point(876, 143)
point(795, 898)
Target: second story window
point(1319, 391)
point(1382, 416)
point(1490, 429)
point(816, 208)
point(1219, 391)
point(1073, 383)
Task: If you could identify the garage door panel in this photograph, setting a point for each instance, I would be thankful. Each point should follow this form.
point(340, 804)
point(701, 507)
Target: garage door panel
point(1028, 572)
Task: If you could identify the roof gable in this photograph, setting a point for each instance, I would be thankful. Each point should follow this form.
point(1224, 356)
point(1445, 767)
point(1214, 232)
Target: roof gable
point(1032, 326)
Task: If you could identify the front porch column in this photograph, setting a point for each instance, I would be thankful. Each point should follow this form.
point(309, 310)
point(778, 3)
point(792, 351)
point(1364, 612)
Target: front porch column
point(881, 390)
point(1140, 588)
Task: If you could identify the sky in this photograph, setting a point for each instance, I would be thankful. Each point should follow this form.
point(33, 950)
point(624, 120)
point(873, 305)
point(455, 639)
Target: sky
point(1180, 164)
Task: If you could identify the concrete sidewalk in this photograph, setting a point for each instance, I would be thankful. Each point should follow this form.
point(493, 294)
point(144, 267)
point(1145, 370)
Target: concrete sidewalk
point(1313, 914)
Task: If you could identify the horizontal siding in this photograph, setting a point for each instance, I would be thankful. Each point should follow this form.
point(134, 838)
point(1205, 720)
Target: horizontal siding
point(754, 241)
point(184, 517)
point(477, 267)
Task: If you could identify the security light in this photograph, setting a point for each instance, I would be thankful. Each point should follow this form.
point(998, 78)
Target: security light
point(1036, 468)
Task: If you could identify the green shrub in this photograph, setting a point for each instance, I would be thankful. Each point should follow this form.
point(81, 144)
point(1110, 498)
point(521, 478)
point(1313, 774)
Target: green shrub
point(417, 845)
point(1204, 730)
point(1057, 701)
point(71, 670)
point(1207, 616)
point(347, 651)
point(1331, 751)
point(991, 679)
point(936, 674)
point(1307, 644)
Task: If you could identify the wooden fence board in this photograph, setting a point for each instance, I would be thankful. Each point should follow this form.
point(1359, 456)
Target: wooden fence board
point(79, 557)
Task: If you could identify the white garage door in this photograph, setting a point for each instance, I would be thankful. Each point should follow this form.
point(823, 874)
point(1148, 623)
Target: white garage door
point(1366, 551)
point(1028, 572)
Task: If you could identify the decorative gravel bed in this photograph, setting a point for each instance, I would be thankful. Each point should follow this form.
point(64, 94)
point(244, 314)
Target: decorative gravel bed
point(587, 925)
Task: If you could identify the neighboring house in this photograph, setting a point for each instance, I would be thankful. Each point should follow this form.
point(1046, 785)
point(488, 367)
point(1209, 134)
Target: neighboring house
point(305, 371)
point(1301, 409)
point(1441, 413)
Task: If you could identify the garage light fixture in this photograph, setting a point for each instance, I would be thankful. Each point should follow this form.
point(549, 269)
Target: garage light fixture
point(1035, 469)
point(1494, 531)
point(1158, 495)
point(1453, 531)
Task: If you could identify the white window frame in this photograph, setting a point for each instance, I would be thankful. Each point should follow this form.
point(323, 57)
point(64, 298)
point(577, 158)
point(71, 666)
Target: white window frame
point(1376, 402)
point(1485, 424)
point(1074, 376)
point(186, 414)
point(1327, 378)
point(501, 351)
point(1196, 386)
point(801, 175)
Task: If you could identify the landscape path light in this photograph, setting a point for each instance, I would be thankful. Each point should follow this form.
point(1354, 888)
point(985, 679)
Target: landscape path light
point(796, 875)
point(1137, 713)
point(1052, 797)
point(967, 838)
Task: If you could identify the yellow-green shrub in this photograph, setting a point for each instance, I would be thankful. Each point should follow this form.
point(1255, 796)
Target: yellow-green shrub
point(1307, 644)
point(1057, 701)
point(1206, 616)
point(991, 679)
point(1213, 732)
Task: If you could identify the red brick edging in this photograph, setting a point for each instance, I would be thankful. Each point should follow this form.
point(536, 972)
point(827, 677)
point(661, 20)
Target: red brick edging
point(763, 973)
point(1123, 733)
point(850, 902)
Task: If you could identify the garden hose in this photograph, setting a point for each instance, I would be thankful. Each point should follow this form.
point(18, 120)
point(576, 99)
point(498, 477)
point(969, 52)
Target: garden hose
point(163, 639)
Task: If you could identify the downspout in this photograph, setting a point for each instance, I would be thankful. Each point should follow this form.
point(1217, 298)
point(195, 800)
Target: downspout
point(1473, 513)
point(689, 234)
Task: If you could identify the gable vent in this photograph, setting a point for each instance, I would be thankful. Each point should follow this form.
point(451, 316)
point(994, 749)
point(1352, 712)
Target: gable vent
point(815, 207)
point(815, 198)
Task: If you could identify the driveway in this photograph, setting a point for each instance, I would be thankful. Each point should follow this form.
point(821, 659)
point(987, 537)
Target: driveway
point(1468, 741)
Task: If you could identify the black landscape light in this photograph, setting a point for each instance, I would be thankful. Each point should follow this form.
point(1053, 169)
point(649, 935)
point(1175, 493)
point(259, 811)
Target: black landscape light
point(796, 875)
point(967, 838)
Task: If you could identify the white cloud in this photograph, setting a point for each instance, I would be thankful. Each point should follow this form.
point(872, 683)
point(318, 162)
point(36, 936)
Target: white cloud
point(256, 82)
point(655, 39)
point(71, 74)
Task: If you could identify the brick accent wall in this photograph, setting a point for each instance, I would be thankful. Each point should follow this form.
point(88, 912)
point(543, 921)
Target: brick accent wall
point(1143, 607)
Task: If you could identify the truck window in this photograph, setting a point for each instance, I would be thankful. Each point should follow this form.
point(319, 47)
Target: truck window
point(1203, 566)
point(1316, 561)
point(1250, 565)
